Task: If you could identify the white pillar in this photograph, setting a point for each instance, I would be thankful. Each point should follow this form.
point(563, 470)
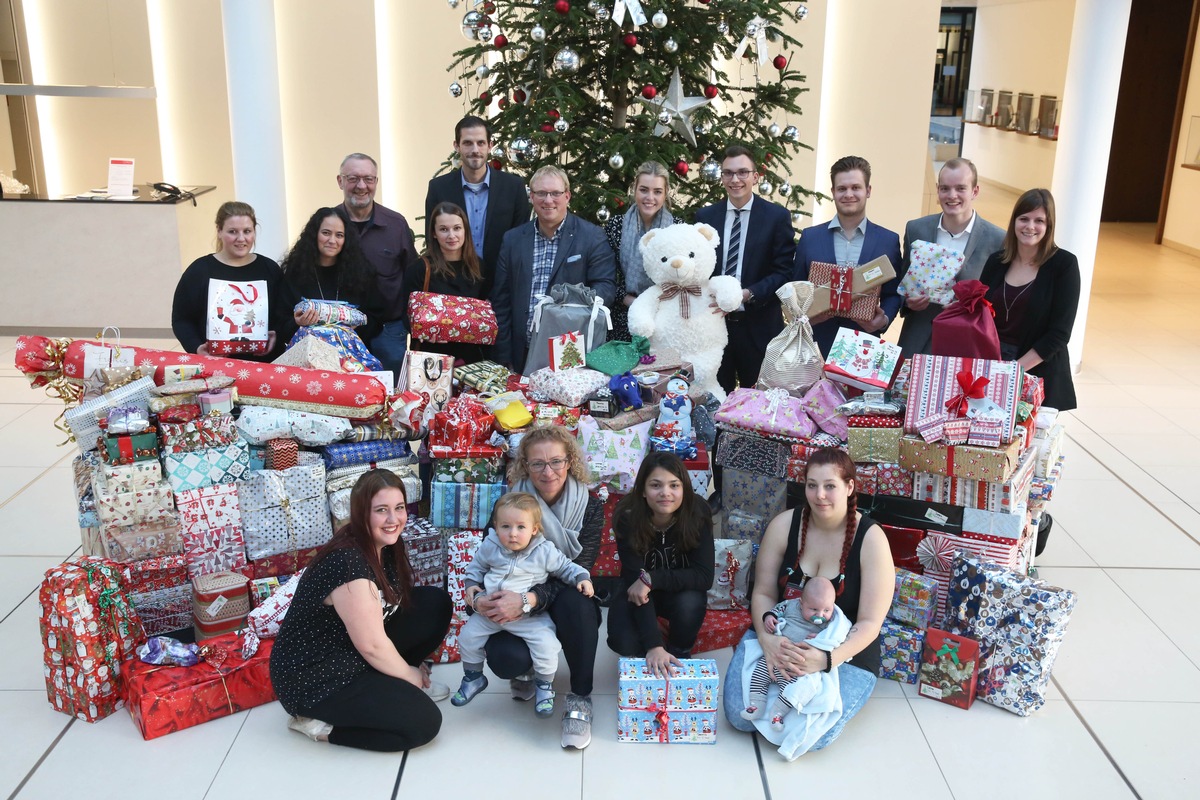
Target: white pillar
point(251, 68)
point(1085, 135)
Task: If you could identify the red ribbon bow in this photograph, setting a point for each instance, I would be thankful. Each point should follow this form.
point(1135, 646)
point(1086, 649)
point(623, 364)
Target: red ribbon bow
point(972, 388)
point(670, 290)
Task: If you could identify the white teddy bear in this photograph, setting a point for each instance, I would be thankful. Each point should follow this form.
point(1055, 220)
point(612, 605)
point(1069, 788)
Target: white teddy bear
point(675, 315)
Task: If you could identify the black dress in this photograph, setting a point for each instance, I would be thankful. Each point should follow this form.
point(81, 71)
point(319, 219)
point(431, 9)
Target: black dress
point(620, 313)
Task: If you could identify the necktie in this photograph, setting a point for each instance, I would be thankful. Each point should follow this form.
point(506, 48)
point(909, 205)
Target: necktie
point(735, 242)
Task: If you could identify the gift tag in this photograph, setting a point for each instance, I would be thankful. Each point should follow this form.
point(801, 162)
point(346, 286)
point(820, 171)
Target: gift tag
point(216, 606)
point(984, 406)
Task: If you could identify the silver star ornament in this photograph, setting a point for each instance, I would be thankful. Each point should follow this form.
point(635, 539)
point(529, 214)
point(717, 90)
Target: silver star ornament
point(679, 108)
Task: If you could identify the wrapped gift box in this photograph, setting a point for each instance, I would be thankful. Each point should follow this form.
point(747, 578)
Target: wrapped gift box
point(1001, 524)
point(177, 373)
point(164, 611)
point(751, 453)
point(861, 360)
point(985, 431)
point(693, 688)
point(483, 376)
point(160, 405)
point(259, 425)
point(209, 550)
point(84, 419)
point(284, 510)
point(773, 411)
point(424, 545)
point(674, 727)
point(462, 423)
point(849, 291)
point(163, 700)
point(1020, 622)
point(312, 352)
point(155, 574)
point(128, 448)
point(136, 542)
point(994, 464)
point(903, 544)
point(628, 419)
point(555, 414)
point(349, 454)
point(447, 651)
point(988, 495)
point(914, 601)
point(935, 386)
point(211, 430)
point(1049, 445)
point(753, 495)
point(220, 603)
point(217, 401)
point(738, 524)
point(937, 552)
point(463, 505)
point(949, 668)
point(893, 479)
point(262, 588)
point(608, 562)
point(721, 629)
point(475, 469)
point(1033, 390)
point(135, 477)
point(451, 318)
point(900, 648)
point(282, 564)
point(403, 468)
point(731, 574)
point(821, 404)
point(209, 507)
point(282, 454)
point(931, 272)
point(153, 504)
point(568, 387)
point(613, 457)
point(199, 468)
point(874, 445)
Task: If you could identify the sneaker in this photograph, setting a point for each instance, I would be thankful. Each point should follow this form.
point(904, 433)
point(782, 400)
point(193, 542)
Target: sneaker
point(577, 722)
point(467, 691)
point(522, 688)
point(437, 691)
point(545, 699)
point(312, 728)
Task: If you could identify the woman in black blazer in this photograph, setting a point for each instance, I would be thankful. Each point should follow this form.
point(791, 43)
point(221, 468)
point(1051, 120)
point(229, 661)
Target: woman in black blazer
point(1034, 288)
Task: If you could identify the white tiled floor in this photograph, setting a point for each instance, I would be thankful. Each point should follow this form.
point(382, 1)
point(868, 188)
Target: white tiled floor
point(1120, 720)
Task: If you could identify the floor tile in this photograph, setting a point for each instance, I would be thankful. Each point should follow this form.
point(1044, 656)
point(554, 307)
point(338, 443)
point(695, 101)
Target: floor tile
point(19, 576)
point(10, 412)
point(1168, 597)
point(1090, 667)
point(34, 441)
point(1062, 550)
point(40, 724)
point(14, 479)
point(21, 645)
point(1152, 743)
point(1148, 450)
point(1036, 743)
point(42, 520)
point(17, 389)
point(1183, 515)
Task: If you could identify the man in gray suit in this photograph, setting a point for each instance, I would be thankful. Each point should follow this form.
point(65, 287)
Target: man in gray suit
point(958, 227)
point(554, 248)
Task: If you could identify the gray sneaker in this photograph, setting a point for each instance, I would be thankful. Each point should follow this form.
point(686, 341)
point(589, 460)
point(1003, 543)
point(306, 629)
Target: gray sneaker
point(577, 722)
point(522, 688)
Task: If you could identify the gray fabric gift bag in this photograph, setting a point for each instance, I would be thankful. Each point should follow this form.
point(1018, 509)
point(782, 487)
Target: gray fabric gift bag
point(568, 307)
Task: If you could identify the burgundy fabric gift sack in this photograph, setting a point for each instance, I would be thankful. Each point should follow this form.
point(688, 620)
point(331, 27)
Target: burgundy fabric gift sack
point(967, 327)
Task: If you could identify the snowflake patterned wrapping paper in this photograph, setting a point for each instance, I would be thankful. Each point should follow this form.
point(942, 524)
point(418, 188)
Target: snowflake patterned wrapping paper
point(949, 668)
point(613, 457)
point(212, 430)
point(934, 386)
point(447, 318)
point(473, 469)
point(751, 453)
point(163, 700)
point(259, 425)
point(914, 600)
point(931, 272)
point(349, 454)
point(773, 411)
point(132, 477)
point(199, 468)
point(721, 629)
point(463, 505)
point(284, 511)
point(84, 419)
point(874, 445)
point(136, 542)
point(900, 648)
point(861, 360)
point(568, 387)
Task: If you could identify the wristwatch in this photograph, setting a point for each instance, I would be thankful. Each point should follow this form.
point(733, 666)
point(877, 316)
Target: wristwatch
point(525, 607)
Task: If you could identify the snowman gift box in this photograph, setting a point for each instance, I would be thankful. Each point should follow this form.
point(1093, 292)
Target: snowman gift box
point(680, 709)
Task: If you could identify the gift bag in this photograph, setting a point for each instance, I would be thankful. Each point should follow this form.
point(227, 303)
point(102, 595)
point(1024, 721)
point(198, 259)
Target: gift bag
point(613, 457)
point(793, 360)
point(617, 357)
point(237, 317)
point(568, 307)
point(355, 357)
point(731, 580)
point(100, 357)
point(967, 328)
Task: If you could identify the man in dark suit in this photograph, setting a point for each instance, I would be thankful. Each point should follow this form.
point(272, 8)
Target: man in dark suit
point(959, 228)
point(495, 201)
point(850, 238)
point(555, 247)
point(757, 245)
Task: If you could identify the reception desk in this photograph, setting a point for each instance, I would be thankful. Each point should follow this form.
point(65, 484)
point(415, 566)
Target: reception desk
point(69, 264)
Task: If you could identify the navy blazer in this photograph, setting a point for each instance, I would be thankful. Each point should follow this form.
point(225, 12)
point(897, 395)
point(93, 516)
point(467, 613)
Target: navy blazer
point(508, 207)
point(766, 260)
point(816, 244)
point(583, 257)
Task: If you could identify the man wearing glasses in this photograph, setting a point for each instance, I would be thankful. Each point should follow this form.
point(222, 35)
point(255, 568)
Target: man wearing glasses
point(849, 238)
point(553, 248)
point(387, 242)
point(757, 246)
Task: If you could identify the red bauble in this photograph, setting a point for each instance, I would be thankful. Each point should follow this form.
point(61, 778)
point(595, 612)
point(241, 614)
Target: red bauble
point(630, 40)
point(620, 201)
point(711, 91)
point(649, 92)
point(495, 163)
point(547, 127)
point(780, 62)
point(703, 2)
point(501, 42)
point(519, 95)
point(485, 97)
point(681, 168)
point(562, 6)
point(553, 113)
point(489, 7)
point(503, 102)
point(767, 157)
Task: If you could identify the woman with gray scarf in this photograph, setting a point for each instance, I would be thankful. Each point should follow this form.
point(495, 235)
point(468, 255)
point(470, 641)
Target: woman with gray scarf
point(649, 208)
point(550, 466)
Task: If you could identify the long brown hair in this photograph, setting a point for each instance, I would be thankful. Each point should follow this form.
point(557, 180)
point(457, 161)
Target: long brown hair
point(357, 533)
point(692, 511)
point(433, 248)
point(841, 462)
point(1029, 202)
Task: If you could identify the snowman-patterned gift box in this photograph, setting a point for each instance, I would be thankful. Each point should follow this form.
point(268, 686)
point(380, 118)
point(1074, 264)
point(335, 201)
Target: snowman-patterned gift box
point(680, 709)
point(861, 360)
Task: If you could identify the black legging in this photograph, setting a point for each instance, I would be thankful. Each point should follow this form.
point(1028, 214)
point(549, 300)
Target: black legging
point(379, 712)
point(633, 630)
point(577, 624)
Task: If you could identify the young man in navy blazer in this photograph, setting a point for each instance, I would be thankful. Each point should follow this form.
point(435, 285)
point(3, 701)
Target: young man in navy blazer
point(495, 201)
point(555, 247)
point(757, 246)
point(850, 238)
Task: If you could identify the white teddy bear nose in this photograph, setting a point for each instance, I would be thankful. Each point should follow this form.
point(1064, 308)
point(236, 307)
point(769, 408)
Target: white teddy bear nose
point(677, 262)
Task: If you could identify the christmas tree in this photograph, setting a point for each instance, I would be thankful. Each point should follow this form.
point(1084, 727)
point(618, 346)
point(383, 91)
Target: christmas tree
point(600, 87)
point(570, 356)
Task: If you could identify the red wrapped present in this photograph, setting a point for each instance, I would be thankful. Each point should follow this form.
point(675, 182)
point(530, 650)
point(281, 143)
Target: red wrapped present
point(1033, 390)
point(444, 319)
point(464, 422)
point(554, 414)
point(608, 564)
point(447, 651)
point(212, 430)
point(700, 462)
point(903, 544)
point(215, 550)
point(471, 451)
point(283, 564)
point(949, 668)
point(720, 629)
point(176, 415)
point(874, 421)
point(163, 700)
point(849, 291)
point(282, 453)
point(866, 479)
point(154, 574)
point(962, 387)
point(967, 327)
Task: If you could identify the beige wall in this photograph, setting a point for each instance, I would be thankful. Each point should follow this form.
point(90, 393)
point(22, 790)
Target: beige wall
point(1183, 208)
point(1020, 47)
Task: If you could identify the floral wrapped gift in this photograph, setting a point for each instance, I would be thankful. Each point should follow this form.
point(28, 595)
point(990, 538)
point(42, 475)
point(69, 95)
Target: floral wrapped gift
point(568, 387)
point(199, 468)
point(861, 360)
point(463, 505)
point(163, 700)
point(931, 272)
point(914, 601)
point(259, 424)
point(963, 387)
point(949, 668)
point(613, 457)
point(770, 412)
point(348, 454)
point(285, 510)
point(212, 430)
point(900, 651)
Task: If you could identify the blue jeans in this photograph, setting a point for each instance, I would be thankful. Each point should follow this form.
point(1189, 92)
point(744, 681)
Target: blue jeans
point(390, 344)
point(856, 685)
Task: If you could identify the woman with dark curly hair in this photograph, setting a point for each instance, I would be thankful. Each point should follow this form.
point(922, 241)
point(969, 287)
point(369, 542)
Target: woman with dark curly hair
point(326, 263)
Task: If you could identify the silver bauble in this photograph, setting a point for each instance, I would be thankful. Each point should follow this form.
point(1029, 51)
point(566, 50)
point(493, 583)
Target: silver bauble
point(792, 134)
point(773, 130)
point(710, 171)
point(670, 45)
point(456, 89)
point(519, 53)
point(616, 161)
point(537, 33)
point(482, 71)
point(566, 61)
point(765, 188)
point(659, 20)
point(594, 6)
point(470, 25)
point(797, 218)
point(522, 150)
point(785, 189)
point(664, 118)
point(801, 12)
point(602, 214)
point(485, 33)
point(561, 125)
point(497, 152)
point(452, 3)
point(603, 15)
point(701, 128)
point(722, 26)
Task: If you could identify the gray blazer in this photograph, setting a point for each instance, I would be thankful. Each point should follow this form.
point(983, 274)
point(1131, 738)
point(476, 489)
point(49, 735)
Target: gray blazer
point(985, 239)
point(583, 257)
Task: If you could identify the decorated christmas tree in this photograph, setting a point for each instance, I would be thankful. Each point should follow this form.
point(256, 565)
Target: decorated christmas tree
point(600, 87)
point(571, 357)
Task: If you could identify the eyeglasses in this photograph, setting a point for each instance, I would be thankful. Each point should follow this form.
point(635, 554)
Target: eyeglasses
point(742, 174)
point(556, 464)
point(365, 180)
point(547, 195)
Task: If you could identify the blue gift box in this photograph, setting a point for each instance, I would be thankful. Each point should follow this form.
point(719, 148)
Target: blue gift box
point(349, 454)
point(900, 647)
point(463, 505)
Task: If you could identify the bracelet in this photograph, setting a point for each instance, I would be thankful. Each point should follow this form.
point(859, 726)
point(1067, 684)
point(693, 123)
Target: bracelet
point(828, 660)
point(645, 578)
